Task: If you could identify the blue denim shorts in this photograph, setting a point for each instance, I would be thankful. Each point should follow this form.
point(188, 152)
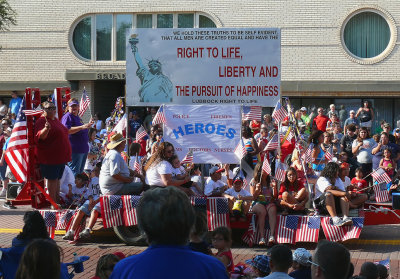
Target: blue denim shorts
point(85, 208)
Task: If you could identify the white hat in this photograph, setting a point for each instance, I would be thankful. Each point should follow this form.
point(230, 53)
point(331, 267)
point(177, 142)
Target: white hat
point(303, 109)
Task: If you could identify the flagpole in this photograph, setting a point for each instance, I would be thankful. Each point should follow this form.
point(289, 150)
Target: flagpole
point(127, 124)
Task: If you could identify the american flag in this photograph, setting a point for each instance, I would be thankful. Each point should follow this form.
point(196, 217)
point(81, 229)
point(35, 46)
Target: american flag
point(329, 154)
point(280, 170)
point(381, 192)
point(111, 211)
point(199, 202)
point(273, 143)
point(240, 151)
point(129, 213)
point(381, 176)
point(16, 154)
point(251, 113)
point(33, 112)
point(290, 135)
point(159, 117)
point(355, 230)
point(279, 113)
point(266, 167)
point(50, 221)
point(287, 226)
point(332, 233)
point(188, 158)
point(136, 166)
point(308, 229)
point(249, 236)
point(140, 133)
point(307, 156)
point(217, 213)
point(64, 218)
point(385, 263)
point(84, 104)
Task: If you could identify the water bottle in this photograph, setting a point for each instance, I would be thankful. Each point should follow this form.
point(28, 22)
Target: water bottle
point(78, 266)
point(76, 257)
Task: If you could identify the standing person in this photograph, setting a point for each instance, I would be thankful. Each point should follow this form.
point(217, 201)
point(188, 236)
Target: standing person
point(78, 136)
point(366, 114)
point(161, 212)
point(387, 130)
point(269, 124)
point(351, 120)
point(306, 119)
point(134, 123)
point(342, 115)
point(3, 109)
point(280, 262)
point(320, 121)
point(53, 149)
point(15, 103)
point(318, 153)
point(98, 124)
point(149, 118)
point(251, 147)
point(362, 148)
point(94, 154)
point(332, 110)
point(380, 147)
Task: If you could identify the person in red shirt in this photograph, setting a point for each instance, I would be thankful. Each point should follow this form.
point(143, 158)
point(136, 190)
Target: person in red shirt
point(292, 194)
point(320, 121)
point(358, 181)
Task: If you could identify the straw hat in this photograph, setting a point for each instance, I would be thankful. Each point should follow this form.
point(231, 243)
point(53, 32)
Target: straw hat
point(115, 140)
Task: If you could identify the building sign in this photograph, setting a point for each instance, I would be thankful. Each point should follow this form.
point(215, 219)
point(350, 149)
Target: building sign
point(223, 66)
point(110, 76)
point(212, 133)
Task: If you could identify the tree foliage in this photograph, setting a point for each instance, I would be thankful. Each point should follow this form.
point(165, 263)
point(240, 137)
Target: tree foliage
point(7, 15)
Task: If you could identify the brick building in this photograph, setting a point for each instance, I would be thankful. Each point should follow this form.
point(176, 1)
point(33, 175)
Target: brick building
point(332, 51)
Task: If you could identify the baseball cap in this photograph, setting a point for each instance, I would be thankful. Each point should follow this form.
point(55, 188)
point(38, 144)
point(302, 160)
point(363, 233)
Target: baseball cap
point(73, 102)
point(303, 109)
point(352, 111)
point(261, 262)
point(215, 169)
point(238, 178)
point(302, 256)
point(386, 125)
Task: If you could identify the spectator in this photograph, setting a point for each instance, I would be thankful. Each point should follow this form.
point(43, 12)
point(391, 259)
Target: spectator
point(366, 114)
point(98, 124)
point(318, 153)
point(301, 264)
point(255, 126)
point(134, 123)
point(347, 140)
point(199, 230)
point(3, 109)
point(331, 196)
point(94, 154)
point(239, 200)
point(251, 147)
point(280, 262)
point(53, 149)
point(332, 110)
point(160, 212)
point(41, 256)
point(260, 266)
point(222, 241)
point(3, 166)
point(362, 148)
point(115, 176)
point(105, 266)
point(269, 124)
point(151, 140)
point(383, 272)
point(15, 103)
point(320, 121)
point(333, 120)
point(149, 118)
point(306, 119)
point(351, 120)
point(369, 270)
point(387, 130)
point(78, 136)
point(396, 134)
point(331, 260)
point(342, 115)
point(387, 163)
point(336, 138)
point(215, 187)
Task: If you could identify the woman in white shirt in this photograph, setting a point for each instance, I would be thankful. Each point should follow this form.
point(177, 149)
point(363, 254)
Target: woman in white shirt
point(98, 123)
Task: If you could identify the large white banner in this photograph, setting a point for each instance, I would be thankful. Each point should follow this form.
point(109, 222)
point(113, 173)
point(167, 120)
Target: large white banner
point(212, 133)
point(223, 66)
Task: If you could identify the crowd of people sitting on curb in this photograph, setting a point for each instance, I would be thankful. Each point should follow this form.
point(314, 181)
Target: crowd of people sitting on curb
point(179, 253)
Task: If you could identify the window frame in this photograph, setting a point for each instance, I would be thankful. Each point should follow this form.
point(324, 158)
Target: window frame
point(114, 60)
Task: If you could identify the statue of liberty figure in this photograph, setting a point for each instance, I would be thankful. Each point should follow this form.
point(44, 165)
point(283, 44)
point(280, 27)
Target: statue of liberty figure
point(156, 87)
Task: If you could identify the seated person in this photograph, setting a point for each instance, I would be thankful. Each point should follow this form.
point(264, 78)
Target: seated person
point(215, 187)
point(78, 192)
point(239, 200)
point(357, 199)
point(292, 194)
point(180, 173)
point(91, 208)
point(115, 176)
point(301, 264)
point(331, 196)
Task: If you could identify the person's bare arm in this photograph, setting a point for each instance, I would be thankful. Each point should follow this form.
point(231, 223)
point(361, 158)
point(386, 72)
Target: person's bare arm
point(169, 181)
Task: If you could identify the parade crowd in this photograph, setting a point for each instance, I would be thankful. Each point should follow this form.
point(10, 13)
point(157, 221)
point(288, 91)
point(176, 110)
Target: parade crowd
point(81, 161)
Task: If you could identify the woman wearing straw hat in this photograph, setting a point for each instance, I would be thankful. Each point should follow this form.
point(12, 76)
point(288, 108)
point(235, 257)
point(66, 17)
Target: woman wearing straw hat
point(115, 176)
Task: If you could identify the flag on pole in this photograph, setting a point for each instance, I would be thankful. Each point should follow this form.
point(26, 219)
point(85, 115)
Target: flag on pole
point(137, 166)
point(50, 220)
point(16, 154)
point(280, 170)
point(308, 229)
point(307, 156)
point(111, 211)
point(121, 125)
point(355, 230)
point(266, 167)
point(287, 226)
point(159, 117)
point(240, 151)
point(217, 213)
point(33, 112)
point(84, 104)
point(381, 192)
point(290, 135)
point(129, 211)
point(279, 113)
point(188, 158)
point(140, 133)
point(329, 154)
point(381, 176)
point(273, 144)
point(251, 113)
point(249, 236)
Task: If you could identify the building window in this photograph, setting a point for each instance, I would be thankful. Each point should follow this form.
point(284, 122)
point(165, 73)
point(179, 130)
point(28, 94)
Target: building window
point(101, 37)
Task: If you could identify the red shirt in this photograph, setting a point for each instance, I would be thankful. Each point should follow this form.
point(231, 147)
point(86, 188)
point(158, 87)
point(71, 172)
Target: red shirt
point(283, 189)
point(359, 184)
point(55, 148)
point(320, 122)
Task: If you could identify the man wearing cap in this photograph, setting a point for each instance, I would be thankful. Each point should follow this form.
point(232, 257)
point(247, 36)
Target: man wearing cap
point(237, 193)
point(301, 264)
point(215, 187)
point(386, 129)
point(115, 176)
point(351, 120)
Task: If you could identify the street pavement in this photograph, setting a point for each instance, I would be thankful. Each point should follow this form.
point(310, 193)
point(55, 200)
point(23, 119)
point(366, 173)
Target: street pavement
point(376, 243)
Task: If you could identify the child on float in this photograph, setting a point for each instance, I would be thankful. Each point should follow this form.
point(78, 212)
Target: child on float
point(357, 198)
point(134, 151)
point(195, 176)
point(292, 193)
point(239, 200)
point(222, 241)
point(91, 207)
point(180, 173)
point(78, 191)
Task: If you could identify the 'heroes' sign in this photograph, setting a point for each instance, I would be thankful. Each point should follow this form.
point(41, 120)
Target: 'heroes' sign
point(200, 128)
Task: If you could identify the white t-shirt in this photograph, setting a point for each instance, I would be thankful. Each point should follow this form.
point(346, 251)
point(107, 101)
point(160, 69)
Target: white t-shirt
point(323, 183)
point(223, 177)
point(94, 187)
point(212, 185)
point(364, 155)
point(346, 181)
point(233, 193)
point(66, 179)
point(178, 171)
point(153, 174)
